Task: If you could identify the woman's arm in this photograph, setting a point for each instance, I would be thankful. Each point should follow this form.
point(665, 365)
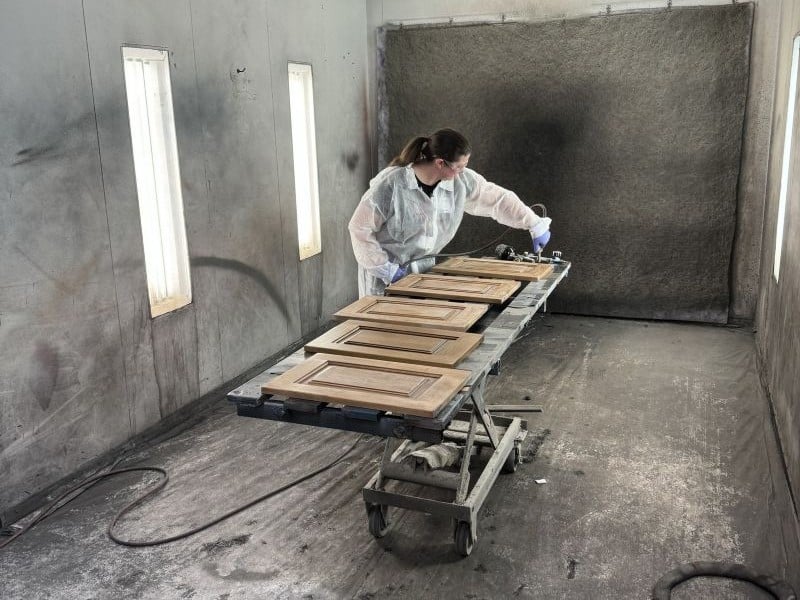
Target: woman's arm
point(486, 199)
point(368, 219)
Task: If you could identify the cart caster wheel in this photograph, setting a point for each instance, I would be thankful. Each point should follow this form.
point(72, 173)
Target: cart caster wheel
point(463, 538)
point(512, 460)
point(376, 517)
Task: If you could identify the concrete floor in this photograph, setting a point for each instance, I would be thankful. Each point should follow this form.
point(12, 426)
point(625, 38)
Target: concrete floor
point(655, 442)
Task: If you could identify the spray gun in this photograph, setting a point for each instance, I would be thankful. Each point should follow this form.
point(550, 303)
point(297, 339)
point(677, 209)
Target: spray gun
point(505, 252)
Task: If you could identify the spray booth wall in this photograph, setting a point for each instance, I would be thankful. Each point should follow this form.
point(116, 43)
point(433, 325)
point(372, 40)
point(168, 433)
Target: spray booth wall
point(83, 366)
point(778, 319)
point(628, 127)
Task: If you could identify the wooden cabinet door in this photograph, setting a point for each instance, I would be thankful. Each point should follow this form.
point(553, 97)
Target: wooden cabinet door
point(493, 291)
point(491, 267)
point(440, 314)
point(420, 345)
point(418, 390)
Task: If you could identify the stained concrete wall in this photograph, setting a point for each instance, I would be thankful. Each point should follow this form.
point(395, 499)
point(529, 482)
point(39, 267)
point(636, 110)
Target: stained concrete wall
point(778, 320)
point(83, 367)
point(746, 246)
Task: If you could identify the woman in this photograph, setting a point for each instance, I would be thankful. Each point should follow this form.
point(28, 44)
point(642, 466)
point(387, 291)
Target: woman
point(414, 207)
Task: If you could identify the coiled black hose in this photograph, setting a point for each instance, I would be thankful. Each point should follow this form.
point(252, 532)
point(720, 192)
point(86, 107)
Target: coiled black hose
point(662, 590)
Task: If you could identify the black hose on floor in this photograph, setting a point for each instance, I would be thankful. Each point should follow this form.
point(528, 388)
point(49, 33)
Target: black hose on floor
point(662, 590)
point(77, 490)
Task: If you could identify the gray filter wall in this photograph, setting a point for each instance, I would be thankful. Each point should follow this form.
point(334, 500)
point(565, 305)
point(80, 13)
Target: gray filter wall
point(627, 127)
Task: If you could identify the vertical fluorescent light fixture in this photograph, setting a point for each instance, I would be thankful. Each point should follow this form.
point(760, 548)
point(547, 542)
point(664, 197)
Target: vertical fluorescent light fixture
point(158, 180)
point(788, 138)
point(304, 150)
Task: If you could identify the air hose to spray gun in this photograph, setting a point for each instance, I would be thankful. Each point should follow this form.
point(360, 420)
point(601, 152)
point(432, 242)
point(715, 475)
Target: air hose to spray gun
point(476, 250)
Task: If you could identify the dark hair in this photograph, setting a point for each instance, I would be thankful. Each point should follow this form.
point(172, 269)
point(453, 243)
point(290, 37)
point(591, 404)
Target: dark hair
point(447, 144)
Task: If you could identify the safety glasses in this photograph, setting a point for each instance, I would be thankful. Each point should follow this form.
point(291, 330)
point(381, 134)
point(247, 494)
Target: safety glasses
point(455, 167)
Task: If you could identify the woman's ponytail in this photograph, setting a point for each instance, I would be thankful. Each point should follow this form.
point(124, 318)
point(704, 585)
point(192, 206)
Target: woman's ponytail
point(445, 143)
point(416, 150)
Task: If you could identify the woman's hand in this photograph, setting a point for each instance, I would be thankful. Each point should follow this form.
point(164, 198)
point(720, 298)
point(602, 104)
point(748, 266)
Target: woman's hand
point(399, 274)
point(540, 242)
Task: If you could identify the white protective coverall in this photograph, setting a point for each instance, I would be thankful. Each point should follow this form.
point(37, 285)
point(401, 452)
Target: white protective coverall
point(396, 221)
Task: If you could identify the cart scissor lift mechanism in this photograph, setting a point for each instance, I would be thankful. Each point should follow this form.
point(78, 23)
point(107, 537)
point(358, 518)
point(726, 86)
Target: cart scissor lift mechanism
point(466, 420)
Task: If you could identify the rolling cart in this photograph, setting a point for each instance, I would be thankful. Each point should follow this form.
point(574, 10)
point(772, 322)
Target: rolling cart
point(466, 421)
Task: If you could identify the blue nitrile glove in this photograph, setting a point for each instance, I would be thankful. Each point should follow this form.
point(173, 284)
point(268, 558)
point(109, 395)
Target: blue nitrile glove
point(541, 241)
point(399, 274)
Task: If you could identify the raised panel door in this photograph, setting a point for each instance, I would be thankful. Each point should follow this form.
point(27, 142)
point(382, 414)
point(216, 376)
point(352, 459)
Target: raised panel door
point(493, 291)
point(418, 390)
point(440, 314)
point(492, 267)
point(420, 345)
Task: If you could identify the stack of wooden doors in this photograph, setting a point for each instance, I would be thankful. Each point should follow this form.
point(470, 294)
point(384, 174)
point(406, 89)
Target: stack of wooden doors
point(398, 353)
